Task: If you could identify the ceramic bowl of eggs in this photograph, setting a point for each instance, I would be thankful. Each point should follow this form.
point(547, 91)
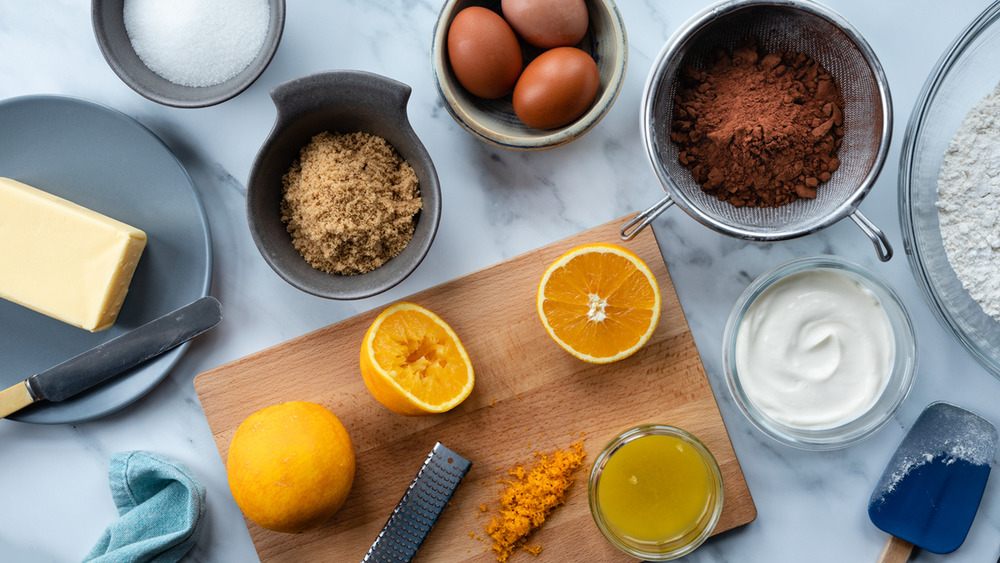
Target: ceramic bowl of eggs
point(188, 54)
point(529, 74)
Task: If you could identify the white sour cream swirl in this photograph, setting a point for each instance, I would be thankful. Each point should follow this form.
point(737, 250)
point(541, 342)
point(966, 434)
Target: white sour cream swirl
point(815, 350)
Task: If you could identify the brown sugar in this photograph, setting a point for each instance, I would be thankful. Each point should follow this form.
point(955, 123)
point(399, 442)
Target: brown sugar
point(349, 201)
point(530, 497)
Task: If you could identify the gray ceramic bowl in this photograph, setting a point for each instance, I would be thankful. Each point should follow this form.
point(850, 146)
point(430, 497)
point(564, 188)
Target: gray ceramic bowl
point(109, 28)
point(494, 121)
point(339, 102)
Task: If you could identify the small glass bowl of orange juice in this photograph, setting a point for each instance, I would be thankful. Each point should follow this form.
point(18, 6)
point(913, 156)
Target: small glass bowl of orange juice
point(656, 492)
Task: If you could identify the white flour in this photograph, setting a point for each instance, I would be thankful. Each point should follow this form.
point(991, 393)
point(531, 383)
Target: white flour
point(969, 203)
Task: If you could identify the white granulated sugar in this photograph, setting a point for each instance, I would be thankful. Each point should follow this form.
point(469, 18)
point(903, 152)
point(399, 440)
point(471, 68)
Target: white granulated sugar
point(969, 203)
point(197, 42)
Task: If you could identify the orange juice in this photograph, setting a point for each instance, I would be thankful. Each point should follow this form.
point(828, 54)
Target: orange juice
point(656, 491)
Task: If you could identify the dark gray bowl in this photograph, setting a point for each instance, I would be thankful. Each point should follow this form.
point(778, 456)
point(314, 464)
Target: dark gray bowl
point(109, 28)
point(339, 102)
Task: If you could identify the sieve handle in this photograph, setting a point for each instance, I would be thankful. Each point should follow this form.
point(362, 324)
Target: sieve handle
point(642, 220)
point(878, 238)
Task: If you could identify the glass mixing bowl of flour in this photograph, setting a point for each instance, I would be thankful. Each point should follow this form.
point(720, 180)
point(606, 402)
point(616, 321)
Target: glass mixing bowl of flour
point(949, 188)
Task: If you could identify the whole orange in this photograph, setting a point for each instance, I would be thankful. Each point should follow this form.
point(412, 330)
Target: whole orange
point(291, 466)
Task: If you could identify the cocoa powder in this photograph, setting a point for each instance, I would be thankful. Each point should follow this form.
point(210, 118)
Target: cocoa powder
point(758, 129)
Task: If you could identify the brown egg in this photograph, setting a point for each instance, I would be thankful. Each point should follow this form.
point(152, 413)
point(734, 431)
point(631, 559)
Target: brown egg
point(483, 52)
point(556, 88)
point(547, 23)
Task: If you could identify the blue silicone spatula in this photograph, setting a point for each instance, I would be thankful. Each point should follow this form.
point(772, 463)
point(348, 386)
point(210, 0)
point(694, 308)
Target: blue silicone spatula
point(930, 490)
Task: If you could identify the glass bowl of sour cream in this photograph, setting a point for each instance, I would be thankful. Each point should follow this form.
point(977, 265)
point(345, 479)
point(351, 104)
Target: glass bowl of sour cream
point(819, 352)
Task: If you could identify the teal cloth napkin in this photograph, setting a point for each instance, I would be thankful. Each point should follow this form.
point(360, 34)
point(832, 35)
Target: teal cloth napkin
point(160, 506)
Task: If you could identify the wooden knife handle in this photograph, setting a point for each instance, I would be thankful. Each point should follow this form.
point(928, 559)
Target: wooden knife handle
point(895, 550)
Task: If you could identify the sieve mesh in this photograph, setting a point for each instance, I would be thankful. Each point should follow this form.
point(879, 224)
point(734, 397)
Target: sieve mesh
point(788, 27)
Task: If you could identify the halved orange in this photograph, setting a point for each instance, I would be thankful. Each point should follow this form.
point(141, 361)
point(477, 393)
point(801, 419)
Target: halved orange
point(600, 302)
point(413, 362)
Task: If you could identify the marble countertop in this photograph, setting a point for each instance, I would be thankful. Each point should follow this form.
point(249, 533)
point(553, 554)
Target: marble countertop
point(497, 204)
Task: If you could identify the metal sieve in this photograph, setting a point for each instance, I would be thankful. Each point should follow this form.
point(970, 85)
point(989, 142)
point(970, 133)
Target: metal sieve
point(788, 25)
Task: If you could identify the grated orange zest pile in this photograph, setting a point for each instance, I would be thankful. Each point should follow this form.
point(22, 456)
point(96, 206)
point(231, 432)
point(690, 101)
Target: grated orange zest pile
point(530, 497)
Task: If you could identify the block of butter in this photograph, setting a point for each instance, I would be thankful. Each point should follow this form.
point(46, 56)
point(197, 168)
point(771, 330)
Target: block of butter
point(64, 260)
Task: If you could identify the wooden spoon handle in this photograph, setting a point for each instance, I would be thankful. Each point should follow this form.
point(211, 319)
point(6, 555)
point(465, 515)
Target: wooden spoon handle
point(895, 550)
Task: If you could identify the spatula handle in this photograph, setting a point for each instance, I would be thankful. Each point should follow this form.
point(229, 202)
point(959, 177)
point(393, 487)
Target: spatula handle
point(895, 550)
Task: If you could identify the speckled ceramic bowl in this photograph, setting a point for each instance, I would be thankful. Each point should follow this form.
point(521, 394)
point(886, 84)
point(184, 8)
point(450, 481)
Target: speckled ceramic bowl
point(109, 28)
point(339, 102)
point(494, 121)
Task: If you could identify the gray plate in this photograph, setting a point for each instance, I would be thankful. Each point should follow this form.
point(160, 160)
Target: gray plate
point(104, 160)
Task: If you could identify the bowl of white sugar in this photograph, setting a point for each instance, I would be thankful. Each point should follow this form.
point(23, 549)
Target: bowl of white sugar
point(188, 53)
point(949, 188)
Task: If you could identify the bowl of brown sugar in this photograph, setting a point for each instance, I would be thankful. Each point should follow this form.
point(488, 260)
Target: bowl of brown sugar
point(766, 120)
point(343, 200)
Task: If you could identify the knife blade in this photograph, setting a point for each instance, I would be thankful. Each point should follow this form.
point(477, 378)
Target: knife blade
point(111, 358)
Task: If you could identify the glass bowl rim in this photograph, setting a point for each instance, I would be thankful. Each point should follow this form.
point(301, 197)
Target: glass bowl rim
point(948, 62)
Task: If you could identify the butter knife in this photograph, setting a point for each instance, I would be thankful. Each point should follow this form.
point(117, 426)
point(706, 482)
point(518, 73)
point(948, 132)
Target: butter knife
point(109, 359)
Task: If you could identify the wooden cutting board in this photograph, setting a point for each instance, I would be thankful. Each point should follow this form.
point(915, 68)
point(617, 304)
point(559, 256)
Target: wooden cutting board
point(530, 396)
